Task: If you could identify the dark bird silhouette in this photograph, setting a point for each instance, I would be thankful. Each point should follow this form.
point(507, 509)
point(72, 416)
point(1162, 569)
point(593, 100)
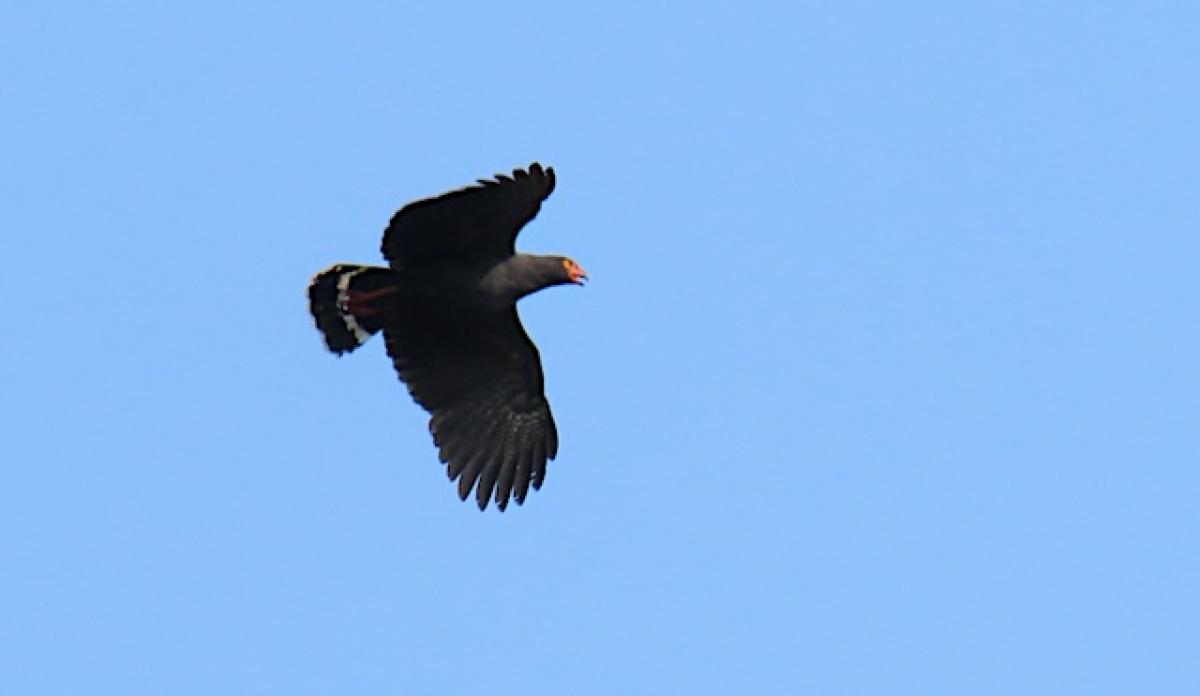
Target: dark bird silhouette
point(446, 304)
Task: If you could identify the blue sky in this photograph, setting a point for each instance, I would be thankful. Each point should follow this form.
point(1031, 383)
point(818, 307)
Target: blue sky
point(885, 382)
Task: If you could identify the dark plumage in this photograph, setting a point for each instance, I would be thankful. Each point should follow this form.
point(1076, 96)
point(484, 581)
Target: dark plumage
point(446, 304)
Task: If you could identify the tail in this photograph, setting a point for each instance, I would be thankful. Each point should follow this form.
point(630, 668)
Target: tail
point(341, 300)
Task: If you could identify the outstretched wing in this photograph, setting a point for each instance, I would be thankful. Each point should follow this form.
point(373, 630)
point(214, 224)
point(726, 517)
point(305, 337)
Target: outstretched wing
point(480, 377)
point(480, 221)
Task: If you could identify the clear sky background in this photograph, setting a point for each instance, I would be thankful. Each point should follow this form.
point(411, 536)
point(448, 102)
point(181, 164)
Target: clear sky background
point(886, 381)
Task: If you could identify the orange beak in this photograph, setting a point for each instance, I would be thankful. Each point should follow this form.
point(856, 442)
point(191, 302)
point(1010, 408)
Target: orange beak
point(577, 274)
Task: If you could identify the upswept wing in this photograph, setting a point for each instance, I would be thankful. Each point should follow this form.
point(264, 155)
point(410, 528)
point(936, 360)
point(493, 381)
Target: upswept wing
point(480, 221)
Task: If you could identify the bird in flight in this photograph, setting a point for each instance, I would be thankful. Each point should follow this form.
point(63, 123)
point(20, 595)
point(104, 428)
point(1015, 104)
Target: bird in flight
point(446, 303)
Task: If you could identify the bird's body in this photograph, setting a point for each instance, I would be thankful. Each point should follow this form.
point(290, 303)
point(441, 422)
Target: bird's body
point(447, 307)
